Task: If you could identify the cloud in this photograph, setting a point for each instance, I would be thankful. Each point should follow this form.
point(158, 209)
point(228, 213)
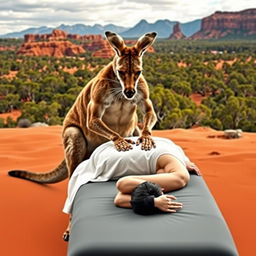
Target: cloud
point(16, 15)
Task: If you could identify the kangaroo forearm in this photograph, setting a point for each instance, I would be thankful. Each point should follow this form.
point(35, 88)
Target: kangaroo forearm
point(97, 126)
point(149, 122)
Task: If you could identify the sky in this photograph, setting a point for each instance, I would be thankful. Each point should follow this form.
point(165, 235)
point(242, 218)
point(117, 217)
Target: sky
point(17, 15)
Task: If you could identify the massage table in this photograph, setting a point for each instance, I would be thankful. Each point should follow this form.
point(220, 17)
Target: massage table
point(99, 228)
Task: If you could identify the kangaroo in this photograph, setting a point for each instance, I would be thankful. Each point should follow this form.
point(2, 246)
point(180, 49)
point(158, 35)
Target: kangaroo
point(106, 109)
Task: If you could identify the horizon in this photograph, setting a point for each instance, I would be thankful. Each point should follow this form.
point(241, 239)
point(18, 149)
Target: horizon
point(19, 15)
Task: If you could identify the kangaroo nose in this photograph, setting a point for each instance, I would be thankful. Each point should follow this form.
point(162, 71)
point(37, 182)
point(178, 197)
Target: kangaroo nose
point(129, 93)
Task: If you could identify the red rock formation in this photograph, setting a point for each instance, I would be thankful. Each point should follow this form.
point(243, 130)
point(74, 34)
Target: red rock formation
point(55, 35)
point(51, 48)
point(54, 45)
point(177, 34)
point(7, 48)
point(84, 37)
point(221, 24)
point(31, 38)
point(101, 48)
point(58, 35)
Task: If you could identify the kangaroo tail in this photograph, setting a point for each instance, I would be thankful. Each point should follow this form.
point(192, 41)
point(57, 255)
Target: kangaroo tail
point(58, 174)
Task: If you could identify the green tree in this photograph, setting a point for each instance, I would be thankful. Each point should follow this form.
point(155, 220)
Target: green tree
point(2, 124)
point(182, 88)
point(5, 89)
point(29, 90)
point(10, 122)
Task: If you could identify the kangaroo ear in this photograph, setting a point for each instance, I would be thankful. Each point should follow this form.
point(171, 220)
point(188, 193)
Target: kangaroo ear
point(115, 41)
point(145, 41)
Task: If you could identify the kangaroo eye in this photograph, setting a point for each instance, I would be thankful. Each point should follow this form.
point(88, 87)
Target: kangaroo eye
point(138, 73)
point(121, 73)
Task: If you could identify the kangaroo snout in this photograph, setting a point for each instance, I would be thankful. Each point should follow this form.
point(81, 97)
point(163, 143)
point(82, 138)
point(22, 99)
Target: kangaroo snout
point(129, 93)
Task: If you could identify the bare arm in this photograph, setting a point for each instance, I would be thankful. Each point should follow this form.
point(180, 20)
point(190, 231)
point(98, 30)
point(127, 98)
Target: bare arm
point(164, 203)
point(168, 181)
point(191, 167)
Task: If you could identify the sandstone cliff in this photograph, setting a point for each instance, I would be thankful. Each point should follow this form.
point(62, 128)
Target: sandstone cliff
point(100, 48)
point(177, 34)
point(7, 48)
point(222, 24)
point(52, 48)
point(56, 44)
point(59, 35)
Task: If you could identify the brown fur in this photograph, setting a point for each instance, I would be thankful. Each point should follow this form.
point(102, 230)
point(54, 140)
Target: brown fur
point(106, 109)
point(101, 112)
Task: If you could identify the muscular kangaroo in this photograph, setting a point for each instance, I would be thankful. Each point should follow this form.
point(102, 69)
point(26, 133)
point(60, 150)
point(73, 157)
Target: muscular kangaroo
point(105, 110)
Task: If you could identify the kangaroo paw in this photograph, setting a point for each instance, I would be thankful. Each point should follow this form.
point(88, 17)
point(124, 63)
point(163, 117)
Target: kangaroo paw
point(66, 236)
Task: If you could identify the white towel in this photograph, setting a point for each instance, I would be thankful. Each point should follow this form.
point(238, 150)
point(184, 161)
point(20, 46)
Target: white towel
point(106, 163)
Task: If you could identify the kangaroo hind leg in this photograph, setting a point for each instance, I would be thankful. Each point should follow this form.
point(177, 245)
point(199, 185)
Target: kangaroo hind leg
point(75, 148)
point(75, 152)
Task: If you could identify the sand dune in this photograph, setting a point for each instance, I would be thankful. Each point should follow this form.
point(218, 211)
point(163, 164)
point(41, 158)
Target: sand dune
point(31, 216)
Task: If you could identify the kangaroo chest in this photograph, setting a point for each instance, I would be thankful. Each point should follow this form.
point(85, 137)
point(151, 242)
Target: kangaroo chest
point(120, 112)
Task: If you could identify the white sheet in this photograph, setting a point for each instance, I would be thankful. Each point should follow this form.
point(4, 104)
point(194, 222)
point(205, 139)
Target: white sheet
point(106, 163)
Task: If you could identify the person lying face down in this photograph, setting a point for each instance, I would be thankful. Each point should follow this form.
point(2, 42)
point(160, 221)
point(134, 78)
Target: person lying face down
point(144, 193)
point(165, 165)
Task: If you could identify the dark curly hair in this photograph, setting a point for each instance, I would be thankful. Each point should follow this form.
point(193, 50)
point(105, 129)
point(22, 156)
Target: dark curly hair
point(142, 198)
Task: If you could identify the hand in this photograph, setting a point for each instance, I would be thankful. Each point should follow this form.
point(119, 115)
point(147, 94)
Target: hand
point(122, 144)
point(165, 203)
point(146, 142)
point(191, 167)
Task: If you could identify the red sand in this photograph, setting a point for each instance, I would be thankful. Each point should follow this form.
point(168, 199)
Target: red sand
point(197, 98)
point(15, 114)
point(31, 214)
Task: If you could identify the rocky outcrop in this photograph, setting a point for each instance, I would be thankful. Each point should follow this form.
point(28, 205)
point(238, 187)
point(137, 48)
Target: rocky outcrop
point(233, 134)
point(222, 24)
point(177, 34)
point(52, 48)
point(100, 48)
point(84, 37)
point(56, 44)
point(7, 48)
point(57, 35)
point(54, 36)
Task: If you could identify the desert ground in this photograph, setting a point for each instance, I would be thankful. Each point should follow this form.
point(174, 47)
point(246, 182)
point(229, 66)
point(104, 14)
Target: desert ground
point(31, 214)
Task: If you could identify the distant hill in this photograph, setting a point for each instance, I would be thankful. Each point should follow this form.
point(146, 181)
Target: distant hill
point(162, 27)
point(87, 29)
point(240, 24)
point(80, 29)
point(191, 27)
point(39, 30)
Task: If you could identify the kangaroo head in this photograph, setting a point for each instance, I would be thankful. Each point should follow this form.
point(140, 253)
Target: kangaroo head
point(128, 60)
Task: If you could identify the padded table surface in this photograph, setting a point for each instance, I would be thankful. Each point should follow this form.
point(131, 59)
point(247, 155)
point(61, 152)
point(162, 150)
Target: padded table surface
point(100, 228)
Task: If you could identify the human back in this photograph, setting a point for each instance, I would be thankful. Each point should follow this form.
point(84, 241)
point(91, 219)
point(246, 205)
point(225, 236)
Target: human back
point(108, 163)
